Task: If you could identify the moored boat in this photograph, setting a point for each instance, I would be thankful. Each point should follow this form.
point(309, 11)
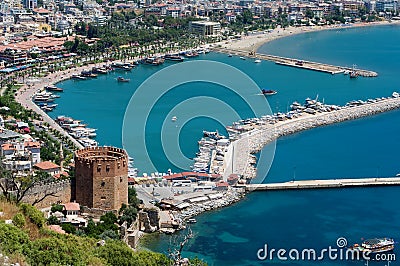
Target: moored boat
point(174, 57)
point(78, 77)
point(53, 88)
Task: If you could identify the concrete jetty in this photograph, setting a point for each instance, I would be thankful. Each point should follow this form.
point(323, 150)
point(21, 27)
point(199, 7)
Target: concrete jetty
point(328, 183)
point(299, 63)
point(238, 157)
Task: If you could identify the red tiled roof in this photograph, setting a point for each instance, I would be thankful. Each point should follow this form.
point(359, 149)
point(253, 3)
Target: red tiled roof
point(7, 147)
point(173, 176)
point(46, 165)
point(32, 144)
point(222, 184)
point(56, 176)
point(72, 206)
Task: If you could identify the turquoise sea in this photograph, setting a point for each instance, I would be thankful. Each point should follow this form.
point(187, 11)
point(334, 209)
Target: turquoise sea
point(291, 219)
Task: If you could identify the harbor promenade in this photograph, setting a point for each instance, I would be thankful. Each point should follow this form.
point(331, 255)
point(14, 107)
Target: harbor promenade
point(24, 97)
point(238, 157)
point(328, 183)
point(297, 62)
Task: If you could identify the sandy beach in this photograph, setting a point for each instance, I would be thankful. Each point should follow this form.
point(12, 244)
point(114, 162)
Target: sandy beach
point(253, 41)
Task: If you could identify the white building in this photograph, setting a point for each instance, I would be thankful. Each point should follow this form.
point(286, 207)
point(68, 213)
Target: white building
point(206, 28)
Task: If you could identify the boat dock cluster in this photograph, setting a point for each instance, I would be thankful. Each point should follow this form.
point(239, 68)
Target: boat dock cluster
point(212, 149)
point(78, 131)
point(251, 135)
point(292, 62)
point(44, 99)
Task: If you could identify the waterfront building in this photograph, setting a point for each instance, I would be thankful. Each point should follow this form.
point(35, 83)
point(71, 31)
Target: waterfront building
point(206, 28)
point(101, 175)
point(386, 5)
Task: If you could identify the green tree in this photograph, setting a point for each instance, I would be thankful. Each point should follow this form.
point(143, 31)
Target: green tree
point(19, 220)
point(53, 220)
point(34, 215)
point(57, 208)
point(68, 228)
point(12, 239)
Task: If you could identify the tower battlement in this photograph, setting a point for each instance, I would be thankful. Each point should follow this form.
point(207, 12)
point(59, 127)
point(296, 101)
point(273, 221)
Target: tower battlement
point(101, 177)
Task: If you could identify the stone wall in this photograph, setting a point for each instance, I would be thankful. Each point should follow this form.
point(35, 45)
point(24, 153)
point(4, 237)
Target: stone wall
point(61, 188)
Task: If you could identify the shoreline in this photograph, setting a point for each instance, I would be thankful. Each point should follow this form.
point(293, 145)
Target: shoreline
point(255, 139)
point(253, 42)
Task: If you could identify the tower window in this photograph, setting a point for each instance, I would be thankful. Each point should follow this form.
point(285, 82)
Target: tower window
point(120, 179)
point(108, 168)
point(103, 184)
point(103, 198)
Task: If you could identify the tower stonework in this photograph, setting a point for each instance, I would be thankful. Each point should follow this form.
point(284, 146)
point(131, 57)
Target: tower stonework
point(101, 177)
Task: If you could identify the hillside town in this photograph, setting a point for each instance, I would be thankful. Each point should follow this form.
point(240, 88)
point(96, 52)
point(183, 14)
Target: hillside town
point(95, 191)
point(37, 29)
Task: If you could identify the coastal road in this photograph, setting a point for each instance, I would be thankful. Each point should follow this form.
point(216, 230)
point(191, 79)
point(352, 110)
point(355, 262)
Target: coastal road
point(24, 97)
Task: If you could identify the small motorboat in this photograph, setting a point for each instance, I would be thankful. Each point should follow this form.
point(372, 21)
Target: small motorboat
point(174, 118)
point(122, 79)
point(257, 61)
point(268, 92)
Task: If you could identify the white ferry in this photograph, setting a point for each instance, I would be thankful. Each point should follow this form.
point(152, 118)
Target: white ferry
point(375, 245)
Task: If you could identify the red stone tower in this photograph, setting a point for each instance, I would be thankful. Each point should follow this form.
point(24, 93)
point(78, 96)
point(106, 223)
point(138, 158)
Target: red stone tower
point(101, 175)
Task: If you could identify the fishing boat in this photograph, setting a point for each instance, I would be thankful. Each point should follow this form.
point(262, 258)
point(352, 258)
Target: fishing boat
point(190, 54)
point(122, 79)
point(192, 221)
point(154, 61)
point(353, 72)
point(268, 92)
point(78, 77)
point(53, 88)
point(122, 66)
point(174, 57)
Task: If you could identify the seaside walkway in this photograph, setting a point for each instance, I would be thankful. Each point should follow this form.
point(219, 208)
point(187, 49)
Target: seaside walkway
point(328, 183)
point(297, 62)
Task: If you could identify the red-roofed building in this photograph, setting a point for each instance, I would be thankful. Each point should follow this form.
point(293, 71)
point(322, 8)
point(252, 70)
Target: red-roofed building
point(40, 11)
point(48, 167)
point(233, 179)
point(71, 208)
point(174, 177)
point(61, 174)
point(222, 185)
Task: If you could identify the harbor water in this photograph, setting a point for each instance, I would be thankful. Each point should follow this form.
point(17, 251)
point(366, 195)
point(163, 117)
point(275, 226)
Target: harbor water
point(367, 147)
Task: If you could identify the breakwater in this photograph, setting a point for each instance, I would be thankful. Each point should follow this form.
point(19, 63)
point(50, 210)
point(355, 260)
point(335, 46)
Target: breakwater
point(299, 63)
point(328, 183)
point(245, 141)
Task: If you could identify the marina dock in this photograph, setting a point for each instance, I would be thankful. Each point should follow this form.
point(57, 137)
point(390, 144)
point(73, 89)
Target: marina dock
point(328, 183)
point(239, 157)
point(299, 63)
